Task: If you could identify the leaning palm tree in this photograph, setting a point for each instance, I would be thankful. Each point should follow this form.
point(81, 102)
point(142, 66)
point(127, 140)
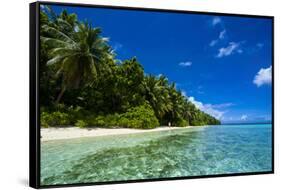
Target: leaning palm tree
point(76, 53)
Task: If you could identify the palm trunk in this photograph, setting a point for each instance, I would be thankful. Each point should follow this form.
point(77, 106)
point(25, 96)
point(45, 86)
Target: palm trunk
point(60, 94)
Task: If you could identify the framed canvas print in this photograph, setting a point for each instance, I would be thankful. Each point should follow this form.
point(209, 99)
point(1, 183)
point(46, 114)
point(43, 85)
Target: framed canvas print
point(120, 94)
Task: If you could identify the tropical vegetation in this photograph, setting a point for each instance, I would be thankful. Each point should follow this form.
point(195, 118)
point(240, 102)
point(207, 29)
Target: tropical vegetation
point(83, 84)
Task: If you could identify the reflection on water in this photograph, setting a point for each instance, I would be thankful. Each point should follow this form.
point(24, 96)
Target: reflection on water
point(183, 152)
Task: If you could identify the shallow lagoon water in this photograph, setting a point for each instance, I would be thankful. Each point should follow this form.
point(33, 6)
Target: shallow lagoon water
point(223, 149)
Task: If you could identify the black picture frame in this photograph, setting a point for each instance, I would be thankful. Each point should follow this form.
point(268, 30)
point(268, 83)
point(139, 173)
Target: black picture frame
point(34, 94)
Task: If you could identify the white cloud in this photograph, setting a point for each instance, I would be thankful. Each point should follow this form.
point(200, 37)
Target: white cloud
point(263, 77)
point(221, 37)
point(244, 117)
point(185, 64)
point(213, 43)
point(222, 34)
point(216, 21)
point(223, 105)
point(240, 51)
point(207, 108)
point(184, 93)
point(230, 49)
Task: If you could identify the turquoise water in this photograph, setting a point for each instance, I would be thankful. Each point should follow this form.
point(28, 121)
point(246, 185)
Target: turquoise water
point(211, 150)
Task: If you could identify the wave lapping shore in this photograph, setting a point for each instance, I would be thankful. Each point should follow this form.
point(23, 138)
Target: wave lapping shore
point(57, 133)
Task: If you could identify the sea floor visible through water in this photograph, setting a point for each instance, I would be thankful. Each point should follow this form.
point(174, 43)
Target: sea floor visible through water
point(223, 149)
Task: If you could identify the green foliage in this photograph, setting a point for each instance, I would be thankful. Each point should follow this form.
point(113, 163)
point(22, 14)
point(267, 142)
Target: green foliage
point(112, 120)
point(75, 48)
point(82, 84)
point(81, 124)
point(107, 121)
point(139, 117)
point(157, 94)
point(54, 119)
point(44, 119)
point(180, 122)
point(100, 121)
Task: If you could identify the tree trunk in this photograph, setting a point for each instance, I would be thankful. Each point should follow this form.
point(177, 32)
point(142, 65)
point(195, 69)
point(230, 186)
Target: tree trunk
point(60, 94)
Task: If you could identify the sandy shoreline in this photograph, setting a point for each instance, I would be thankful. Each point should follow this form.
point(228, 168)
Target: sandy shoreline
point(56, 133)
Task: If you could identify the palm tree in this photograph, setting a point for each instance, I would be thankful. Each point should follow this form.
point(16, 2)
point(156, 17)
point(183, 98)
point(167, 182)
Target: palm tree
point(64, 22)
point(177, 102)
point(77, 53)
point(187, 110)
point(156, 94)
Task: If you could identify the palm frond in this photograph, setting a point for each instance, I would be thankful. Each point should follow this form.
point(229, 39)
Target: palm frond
point(57, 34)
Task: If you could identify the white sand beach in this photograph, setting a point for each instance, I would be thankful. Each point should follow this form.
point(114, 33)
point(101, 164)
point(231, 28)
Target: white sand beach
point(56, 133)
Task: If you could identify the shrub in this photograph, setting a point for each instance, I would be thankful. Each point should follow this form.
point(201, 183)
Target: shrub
point(91, 120)
point(103, 121)
point(76, 114)
point(123, 122)
point(54, 119)
point(112, 120)
point(81, 124)
point(100, 121)
point(180, 122)
point(142, 117)
point(44, 118)
point(197, 123)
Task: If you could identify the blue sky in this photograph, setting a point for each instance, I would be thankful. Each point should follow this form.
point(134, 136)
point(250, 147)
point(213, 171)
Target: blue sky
point(221, 63)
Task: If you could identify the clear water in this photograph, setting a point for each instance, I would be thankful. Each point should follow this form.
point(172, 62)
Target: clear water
point(221, 149)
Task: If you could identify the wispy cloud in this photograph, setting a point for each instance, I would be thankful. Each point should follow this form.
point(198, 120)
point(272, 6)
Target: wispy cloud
point(223, 105)
point(200, 89)
point(262, 118)
point(213, 43)
point(254, 48)
point(263, 77)
point(211, 109)
point(185, 64)
point(117, 46)
point(232, 47)
point(216, 20)
point(222, 34)
point(244, 117)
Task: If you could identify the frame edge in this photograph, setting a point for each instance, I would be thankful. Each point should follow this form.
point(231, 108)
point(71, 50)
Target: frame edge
point(33, 129)
point(34, 90)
